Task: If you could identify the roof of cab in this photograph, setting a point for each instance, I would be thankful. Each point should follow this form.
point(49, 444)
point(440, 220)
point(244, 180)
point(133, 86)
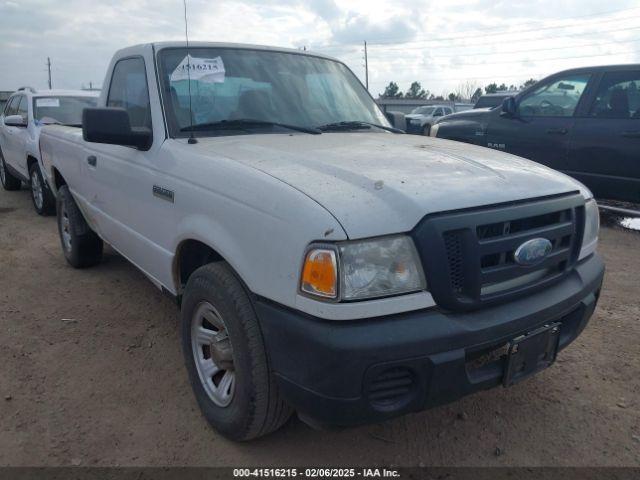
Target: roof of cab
point(244, 46)
point(599, 68)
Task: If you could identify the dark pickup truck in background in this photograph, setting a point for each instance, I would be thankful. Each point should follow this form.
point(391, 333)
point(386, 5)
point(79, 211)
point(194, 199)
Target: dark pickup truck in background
point(584, 122)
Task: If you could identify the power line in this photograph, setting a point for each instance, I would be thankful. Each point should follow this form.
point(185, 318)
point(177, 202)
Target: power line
point(511, 62)
point(550, 37)
point(522, 51)
point(483, 35)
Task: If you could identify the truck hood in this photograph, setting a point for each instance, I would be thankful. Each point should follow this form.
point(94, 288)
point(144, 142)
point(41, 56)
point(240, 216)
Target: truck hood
point(382, 183)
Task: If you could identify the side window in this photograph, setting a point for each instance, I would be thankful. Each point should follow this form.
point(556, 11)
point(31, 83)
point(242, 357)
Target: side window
point(129, 90)
point(12, 106)
point(438, 112)
point(557, 99)
point(618, 96)
point(23, 107)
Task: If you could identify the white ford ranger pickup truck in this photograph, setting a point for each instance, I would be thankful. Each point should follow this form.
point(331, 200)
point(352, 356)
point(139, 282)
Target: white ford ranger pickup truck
point(324, 262)
point(21, 121)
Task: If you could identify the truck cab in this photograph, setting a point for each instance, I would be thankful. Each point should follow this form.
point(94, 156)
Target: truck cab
point(324, 262)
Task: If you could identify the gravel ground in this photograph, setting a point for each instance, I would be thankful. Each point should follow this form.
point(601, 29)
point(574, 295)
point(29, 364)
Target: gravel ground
point(92, 374)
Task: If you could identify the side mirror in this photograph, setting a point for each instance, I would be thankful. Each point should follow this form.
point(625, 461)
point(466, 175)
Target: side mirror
point(15, 121)
point(397, 119)
point(113, 126)
point(509, 107)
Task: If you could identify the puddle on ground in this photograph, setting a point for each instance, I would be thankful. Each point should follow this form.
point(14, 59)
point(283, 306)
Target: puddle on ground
point(620, 220)
point(631, 223)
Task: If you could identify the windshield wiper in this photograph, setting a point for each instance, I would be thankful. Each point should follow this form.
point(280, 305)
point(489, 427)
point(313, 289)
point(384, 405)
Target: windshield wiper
point(355, 125)
point(246, 123)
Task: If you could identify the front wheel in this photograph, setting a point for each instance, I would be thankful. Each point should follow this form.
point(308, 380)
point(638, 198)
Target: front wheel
point(80, 245)
point(225, 356)
point(43, 200)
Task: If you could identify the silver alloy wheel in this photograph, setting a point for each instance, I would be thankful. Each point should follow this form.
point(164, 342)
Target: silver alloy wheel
point(36, 190)
point(65, 228)
point(213, 354)
point(2, 177)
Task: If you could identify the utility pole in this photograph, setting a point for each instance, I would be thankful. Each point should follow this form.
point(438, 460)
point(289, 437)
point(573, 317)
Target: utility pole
point(366, 66)
point(49, 69)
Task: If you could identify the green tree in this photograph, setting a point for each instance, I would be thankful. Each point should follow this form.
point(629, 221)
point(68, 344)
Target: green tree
point(416, 91)
point(453, 97)
point(491, 88)
point(392, 91)
point(476, 95)
point(528, 83)
point(503, 87)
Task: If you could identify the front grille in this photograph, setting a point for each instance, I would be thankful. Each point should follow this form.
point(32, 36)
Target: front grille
point(469, 255)
point(453, 244)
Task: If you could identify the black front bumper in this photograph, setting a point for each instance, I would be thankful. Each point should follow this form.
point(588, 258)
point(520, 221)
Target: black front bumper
point(353, 372)
point(416, 129)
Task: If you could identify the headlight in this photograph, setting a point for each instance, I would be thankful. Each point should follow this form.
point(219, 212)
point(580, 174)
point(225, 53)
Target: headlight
point(365, 269)
point(434, 130)
point(591, 228)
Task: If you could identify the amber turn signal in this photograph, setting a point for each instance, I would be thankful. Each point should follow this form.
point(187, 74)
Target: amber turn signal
point(320, 273)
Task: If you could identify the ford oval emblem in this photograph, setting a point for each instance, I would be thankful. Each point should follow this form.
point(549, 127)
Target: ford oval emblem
point(532, 251)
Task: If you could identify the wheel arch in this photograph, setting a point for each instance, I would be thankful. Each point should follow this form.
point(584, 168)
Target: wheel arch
point(58, 179)
point(191, 254)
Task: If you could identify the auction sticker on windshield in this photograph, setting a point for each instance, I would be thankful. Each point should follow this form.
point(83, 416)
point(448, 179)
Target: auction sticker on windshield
point(209, 70)
point(47, 102)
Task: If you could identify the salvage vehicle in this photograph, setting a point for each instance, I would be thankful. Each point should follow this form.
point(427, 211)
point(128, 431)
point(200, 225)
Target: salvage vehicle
point(324, 262)
point(420, 119)
point(584, 122)
point(25, 112)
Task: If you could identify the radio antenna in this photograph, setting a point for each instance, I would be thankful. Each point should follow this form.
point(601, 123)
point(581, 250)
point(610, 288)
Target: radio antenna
point(192, 138)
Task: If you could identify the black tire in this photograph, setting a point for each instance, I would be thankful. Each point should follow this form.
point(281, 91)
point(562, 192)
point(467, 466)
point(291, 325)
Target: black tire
point(426, 130)
point(9, 182)
point(84, 247)
point(256, 407)
point(42, 198)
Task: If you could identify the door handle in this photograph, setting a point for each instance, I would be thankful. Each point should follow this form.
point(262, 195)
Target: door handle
point(92, 160)
point(558, 131)
point(631, 134)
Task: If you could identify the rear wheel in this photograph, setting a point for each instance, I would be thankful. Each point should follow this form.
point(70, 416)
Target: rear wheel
point(43, 200)
point(9, 182)
point(80, 245)
point(226, 358)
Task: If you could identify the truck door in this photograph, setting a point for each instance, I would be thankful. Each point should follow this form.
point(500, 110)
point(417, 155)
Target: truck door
point(14, 141)
point(121, 179)
point(605, 145)
point(541, 127)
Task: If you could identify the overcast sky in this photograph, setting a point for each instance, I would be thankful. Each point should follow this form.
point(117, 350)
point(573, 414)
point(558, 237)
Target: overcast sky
point(439, 43)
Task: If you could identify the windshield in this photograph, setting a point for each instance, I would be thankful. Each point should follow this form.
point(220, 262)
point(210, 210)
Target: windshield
point(273, 87)
point(65, 110)
point(423, 110)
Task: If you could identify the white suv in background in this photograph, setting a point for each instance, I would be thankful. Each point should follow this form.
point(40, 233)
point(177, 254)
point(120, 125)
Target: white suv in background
point(420, 119)
point(20, 124)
